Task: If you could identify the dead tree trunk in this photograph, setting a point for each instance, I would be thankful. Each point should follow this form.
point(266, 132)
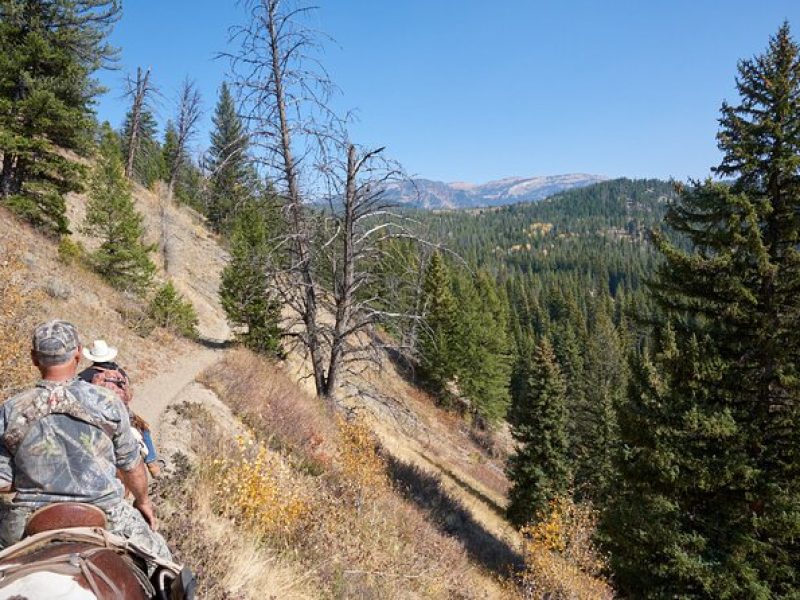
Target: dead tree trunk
point(10, 178)
point(300, 246)
point(7, 175)
point(344, 295)
point(139, 93)
point(186, 126)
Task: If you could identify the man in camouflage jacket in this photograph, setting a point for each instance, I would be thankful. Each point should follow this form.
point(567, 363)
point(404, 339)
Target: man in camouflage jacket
point(66, 440)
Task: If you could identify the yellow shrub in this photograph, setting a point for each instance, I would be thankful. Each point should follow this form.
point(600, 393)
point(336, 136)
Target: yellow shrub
point(16, 324)
point(359, 461)
point(561, 560)
point(255, 488)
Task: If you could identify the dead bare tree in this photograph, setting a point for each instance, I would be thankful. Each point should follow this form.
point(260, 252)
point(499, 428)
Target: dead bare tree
point(362, 224)
point(189, 113)
point(284, 92)
point(329, 275)
point(140, 91)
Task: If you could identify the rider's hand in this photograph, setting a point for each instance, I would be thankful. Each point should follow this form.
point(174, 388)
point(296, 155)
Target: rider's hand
point(148, 512)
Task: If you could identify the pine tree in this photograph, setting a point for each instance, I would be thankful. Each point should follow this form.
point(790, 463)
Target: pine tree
point(230, 175)
point(711, 502)
point(169, 309)
point(168, 149)
point(123, 257)
point(50, 49)
point(596, 435)
point(148, 161)
point(437, 339)
point(539, 469)
point(483, 348)
point(245, 292)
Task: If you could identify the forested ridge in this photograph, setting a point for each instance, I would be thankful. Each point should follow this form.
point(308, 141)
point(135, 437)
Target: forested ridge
point(600, 231)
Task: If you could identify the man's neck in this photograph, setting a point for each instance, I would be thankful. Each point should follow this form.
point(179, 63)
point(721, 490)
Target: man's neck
point(57, 375)
point(59, 379)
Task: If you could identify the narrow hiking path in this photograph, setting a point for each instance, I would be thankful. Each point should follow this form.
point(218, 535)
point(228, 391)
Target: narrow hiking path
point(154, 396)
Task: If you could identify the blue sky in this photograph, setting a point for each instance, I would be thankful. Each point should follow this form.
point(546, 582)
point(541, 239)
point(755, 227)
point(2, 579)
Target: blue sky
point(467, 90)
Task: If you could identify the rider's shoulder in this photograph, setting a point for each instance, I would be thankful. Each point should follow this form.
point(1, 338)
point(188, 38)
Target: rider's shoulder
point(20, 398)
point(93, 393)
point(98, 399)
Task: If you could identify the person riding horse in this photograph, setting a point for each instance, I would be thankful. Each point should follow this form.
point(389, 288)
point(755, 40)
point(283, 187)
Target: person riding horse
point(65, 440)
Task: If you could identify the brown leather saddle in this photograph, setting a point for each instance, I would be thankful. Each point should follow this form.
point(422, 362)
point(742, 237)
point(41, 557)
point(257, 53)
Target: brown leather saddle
point(63, 516)
point(71, 539)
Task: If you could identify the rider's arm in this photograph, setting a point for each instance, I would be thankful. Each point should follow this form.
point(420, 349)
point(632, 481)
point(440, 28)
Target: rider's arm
point(136, 481)
point(6, 472)
point(129, 464)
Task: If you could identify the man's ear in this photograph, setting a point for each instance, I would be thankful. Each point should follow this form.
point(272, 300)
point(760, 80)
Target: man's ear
point(78, 353)
point(34, 360)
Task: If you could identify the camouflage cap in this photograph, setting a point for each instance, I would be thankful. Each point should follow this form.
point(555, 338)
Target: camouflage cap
point(55, 341)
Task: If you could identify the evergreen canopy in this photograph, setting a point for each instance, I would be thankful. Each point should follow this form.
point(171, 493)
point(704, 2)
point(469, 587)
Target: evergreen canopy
point(711, 502)
point(50, 50)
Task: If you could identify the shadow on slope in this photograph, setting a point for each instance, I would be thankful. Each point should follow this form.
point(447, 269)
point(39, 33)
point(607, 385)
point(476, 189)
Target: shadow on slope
point(214, 344)
point(468, 488)
point(425, 490)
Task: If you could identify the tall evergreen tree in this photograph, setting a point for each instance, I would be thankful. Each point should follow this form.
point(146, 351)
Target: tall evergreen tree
point(539, 469)
point(483, 347)
point(595, 435)
point(228, 166)
point(246, 294)
point(711, 502)
point(168, 148)
point(437, 340)
point(123, 257)
point(50, 49)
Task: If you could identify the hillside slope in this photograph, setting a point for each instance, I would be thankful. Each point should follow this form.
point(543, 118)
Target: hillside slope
point(196, 258)
point(421, 444)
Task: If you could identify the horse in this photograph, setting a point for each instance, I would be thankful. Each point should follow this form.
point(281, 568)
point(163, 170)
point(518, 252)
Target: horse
point(67, 554)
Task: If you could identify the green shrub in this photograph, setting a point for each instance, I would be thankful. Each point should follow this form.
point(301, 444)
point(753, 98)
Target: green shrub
point(70, 252)
point(171, 310)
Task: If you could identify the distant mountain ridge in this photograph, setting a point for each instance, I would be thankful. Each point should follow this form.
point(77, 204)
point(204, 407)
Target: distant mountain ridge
point(425, 193)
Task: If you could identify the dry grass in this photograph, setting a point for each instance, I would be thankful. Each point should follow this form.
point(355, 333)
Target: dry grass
point(256, 488)
point(54, 289)
point(353, 533)
point(442, 436)
point(280, 412)
point(230, 562)
point(17, 300)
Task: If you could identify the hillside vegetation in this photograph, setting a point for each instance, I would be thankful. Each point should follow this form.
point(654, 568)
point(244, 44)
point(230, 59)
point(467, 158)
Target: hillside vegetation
point(318, 495)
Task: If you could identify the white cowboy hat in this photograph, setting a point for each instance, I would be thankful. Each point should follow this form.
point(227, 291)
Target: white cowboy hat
point(100, 352)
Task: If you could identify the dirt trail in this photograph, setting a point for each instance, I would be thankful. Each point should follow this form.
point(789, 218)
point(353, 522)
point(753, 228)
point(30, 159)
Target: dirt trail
point(154, 395)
